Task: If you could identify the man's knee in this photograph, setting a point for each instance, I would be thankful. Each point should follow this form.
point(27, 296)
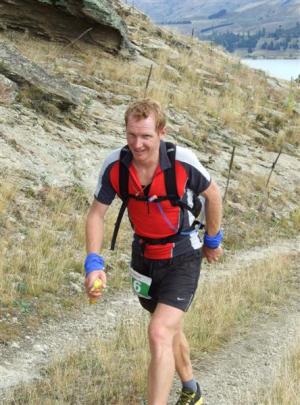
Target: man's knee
point(161, 334)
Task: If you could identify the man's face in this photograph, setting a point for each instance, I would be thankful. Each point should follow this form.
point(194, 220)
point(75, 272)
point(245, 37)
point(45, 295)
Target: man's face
point(143, 138)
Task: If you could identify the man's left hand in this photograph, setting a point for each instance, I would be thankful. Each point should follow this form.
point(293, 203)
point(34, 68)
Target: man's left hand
point(212, 255)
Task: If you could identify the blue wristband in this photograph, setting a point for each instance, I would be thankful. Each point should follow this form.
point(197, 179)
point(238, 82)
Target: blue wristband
point(213, 242)
point(93, 262)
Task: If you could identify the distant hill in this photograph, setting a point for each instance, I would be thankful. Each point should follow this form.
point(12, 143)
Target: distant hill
point(221, 21)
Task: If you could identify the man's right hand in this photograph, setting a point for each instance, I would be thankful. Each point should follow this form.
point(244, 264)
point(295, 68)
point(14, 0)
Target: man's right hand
point(89, 282)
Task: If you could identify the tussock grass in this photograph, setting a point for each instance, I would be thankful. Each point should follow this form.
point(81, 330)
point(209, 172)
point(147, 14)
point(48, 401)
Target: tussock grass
point(7, 194)
point(223, 90)
point(34, 48)
point(285, 389)
point(201, 80)
point(293, 220)
point(105, 372)
point(253, 228)
point(258, 227)
point(48, 249)
point(260, 212)
point(122, 72)
point(42, 248)
point(42, 245)
point(224, 305)
point(114, 371)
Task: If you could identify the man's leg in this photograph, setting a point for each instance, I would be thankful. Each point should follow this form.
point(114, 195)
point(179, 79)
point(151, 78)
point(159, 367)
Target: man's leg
point(181, 350)
point(165, 323)
point(191, 392)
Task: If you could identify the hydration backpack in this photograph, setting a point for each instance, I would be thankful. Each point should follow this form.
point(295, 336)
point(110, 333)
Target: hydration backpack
point(172, 196)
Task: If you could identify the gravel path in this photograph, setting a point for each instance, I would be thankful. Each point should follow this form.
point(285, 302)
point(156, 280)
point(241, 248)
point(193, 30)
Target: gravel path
point(23, 359)
point(234, 374)
point(228, 375)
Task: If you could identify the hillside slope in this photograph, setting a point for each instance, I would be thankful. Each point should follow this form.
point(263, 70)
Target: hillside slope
point(51, 151)
point(61, 112)
point(243, 15)
point(274, 26)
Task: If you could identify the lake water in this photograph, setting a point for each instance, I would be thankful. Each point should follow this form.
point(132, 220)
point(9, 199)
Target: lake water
point(280, 68)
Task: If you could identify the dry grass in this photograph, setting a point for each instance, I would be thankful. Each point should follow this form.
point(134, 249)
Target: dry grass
point(285, 389)
point(42, 248)
point(261, 213)
point(221, 89)
point(114, 371)
point(45, 253)
point(124, 72)
point(105, 372)
point(196, 78)
point(232, 302)
point(255, 227)
point(41, 245)
point(7, 194)
point(35, 49)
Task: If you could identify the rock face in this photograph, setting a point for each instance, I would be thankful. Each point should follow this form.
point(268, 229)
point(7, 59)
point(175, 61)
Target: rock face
point(94, 21)
point(20, 70)
point(8, 90)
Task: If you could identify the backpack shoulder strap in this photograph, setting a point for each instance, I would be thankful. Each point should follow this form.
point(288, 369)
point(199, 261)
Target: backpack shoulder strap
point(123, 194)
point(123, 175)
point(171, 185)
point(170, 174)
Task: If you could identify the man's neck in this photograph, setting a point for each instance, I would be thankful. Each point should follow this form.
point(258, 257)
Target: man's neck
point(147, 164)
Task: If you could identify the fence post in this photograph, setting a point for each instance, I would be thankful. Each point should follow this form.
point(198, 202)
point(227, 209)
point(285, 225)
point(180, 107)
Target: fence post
point(148, 80)
point(229, 171)
point(76, 39)
point(273, 167)
point(264, 202)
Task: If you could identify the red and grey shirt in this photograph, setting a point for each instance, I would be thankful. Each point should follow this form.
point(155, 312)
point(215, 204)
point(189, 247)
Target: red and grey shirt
point(154, 220)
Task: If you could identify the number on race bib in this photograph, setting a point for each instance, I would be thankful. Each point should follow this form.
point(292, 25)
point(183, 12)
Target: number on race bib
point(137, 286)
point(141, 284)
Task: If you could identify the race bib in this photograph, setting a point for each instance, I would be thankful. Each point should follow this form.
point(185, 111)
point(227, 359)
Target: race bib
point(141, 284)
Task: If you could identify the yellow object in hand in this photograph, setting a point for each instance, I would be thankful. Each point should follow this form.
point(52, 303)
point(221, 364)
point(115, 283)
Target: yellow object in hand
point(96, 287)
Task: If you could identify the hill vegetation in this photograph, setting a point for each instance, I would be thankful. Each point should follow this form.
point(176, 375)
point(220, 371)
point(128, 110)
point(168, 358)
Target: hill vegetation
point(213, 103)
point(50, 156)
point(279, 40)
point(237, 25)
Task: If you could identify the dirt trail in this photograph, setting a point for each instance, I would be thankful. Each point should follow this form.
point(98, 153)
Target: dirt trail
point(226, 375)
point(23, 360)
point(234, 374)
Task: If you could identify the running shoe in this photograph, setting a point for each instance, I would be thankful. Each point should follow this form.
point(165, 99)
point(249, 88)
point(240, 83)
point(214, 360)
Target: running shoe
point(188, 397)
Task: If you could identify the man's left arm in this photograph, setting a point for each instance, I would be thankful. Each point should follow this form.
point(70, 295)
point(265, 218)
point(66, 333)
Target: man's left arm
point(213, 215)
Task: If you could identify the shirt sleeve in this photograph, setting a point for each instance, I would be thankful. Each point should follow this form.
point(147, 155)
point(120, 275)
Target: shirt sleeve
point(105, 192)
point(198, 177)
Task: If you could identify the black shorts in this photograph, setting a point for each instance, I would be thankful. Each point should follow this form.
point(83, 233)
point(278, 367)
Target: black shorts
point(174, 281)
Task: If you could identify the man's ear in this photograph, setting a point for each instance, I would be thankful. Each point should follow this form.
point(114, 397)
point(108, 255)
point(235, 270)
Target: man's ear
point(162, 132)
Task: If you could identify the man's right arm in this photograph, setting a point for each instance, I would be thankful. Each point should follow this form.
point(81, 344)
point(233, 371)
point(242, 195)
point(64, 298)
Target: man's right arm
point(94, 239)
point(95, 227)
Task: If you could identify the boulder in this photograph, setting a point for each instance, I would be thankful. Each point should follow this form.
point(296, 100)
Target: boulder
point(8, 90)
point(19, 69)
point(93, 21)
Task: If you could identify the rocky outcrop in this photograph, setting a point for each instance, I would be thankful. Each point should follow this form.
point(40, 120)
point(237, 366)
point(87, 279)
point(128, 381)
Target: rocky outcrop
point(8, 90)
point(20, 70)
point(93, 21)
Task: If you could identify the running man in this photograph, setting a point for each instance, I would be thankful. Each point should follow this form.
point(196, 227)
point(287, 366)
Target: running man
point(166, 248)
